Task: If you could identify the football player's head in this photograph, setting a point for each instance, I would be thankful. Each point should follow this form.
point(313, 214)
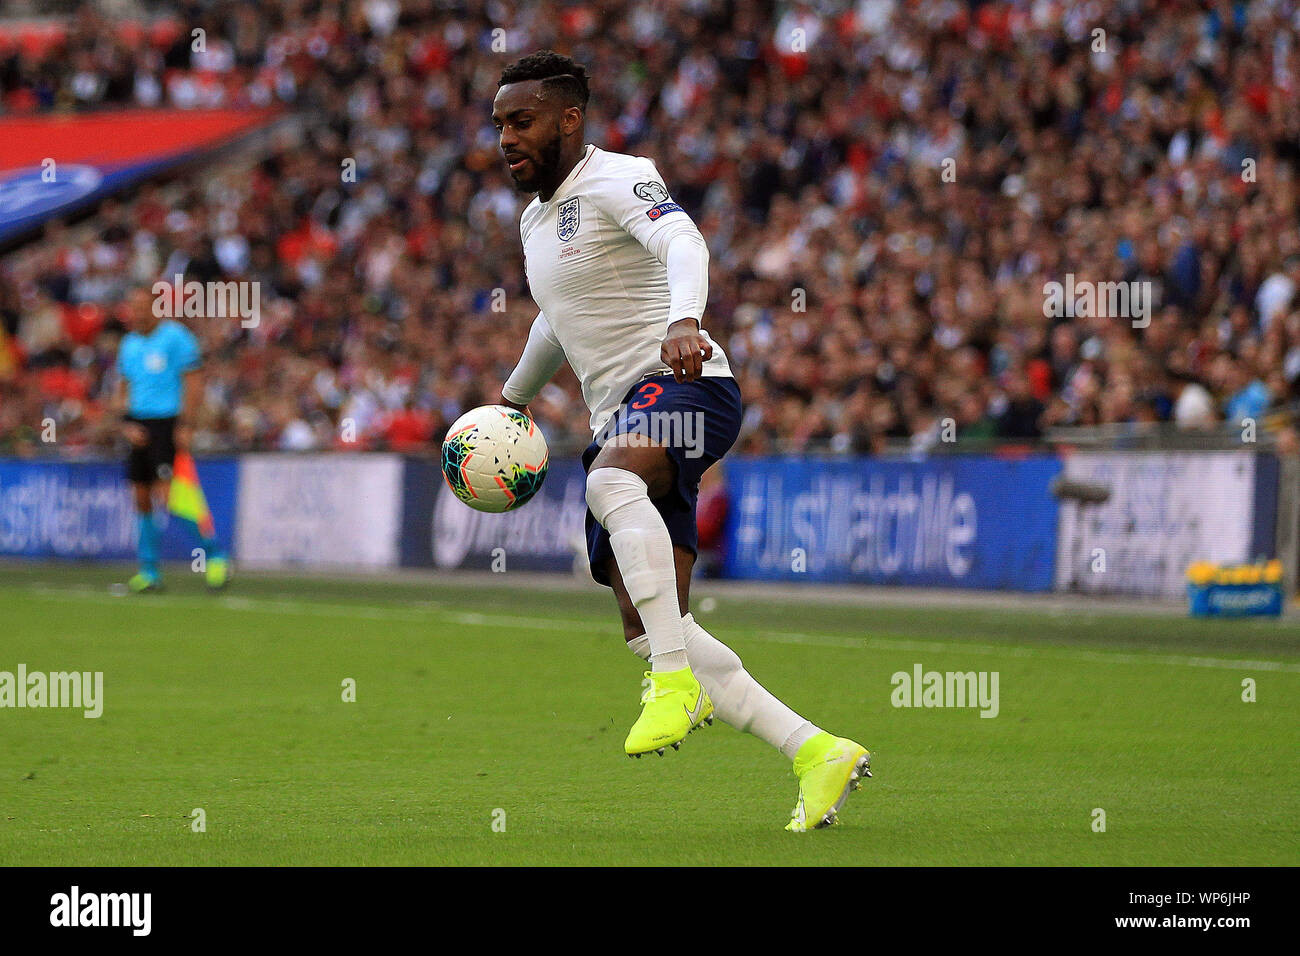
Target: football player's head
point(539, 110)
point(138, 309)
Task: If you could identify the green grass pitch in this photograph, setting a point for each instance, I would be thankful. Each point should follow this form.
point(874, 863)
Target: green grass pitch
point(476, 705)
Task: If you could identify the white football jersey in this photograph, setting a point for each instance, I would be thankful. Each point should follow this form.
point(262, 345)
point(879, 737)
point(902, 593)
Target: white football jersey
point(601, 291)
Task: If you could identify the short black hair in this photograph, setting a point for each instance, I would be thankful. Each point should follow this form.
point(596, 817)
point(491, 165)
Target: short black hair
point(558, 73)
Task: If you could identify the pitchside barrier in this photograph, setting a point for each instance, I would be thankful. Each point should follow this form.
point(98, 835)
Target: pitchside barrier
point(83, 510)
point(974, 522)
point(1166, 510)
point(967, 521)
point(319, 511)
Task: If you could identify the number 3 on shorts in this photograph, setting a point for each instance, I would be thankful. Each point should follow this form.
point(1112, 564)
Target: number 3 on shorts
point(650, 393)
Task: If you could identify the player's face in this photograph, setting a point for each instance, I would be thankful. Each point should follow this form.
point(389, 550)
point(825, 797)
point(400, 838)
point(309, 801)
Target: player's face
point(140, 311)
point(530, 134)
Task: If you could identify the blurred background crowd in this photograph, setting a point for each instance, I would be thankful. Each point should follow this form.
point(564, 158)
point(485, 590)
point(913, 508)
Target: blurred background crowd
point(886, 187)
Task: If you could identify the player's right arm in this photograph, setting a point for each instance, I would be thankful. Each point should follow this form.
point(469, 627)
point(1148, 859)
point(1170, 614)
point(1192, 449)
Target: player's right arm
point(134, 432)
point(542, 358)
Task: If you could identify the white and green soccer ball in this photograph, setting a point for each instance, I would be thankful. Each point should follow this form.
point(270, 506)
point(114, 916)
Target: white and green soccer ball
point(494, 458)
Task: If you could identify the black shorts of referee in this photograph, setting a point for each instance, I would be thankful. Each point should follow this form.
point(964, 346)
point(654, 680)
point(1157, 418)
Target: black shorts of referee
point(152, 461)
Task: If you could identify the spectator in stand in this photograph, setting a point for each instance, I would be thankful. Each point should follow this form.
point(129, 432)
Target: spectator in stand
point(865, 295)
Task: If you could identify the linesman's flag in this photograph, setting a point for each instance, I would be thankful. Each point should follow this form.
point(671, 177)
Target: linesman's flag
point(186, 499)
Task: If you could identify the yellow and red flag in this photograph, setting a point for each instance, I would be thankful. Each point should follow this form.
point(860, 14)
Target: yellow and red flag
point(185, 499)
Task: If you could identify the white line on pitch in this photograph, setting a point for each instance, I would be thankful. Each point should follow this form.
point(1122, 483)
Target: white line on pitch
point(475, 619)
point(240, 603)
point(956, 647)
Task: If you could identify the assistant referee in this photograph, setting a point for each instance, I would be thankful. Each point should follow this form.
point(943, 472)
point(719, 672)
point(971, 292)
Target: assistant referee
point(156, 393)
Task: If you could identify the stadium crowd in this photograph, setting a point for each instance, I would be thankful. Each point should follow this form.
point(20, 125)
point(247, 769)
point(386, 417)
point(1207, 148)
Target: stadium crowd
point(886, 188)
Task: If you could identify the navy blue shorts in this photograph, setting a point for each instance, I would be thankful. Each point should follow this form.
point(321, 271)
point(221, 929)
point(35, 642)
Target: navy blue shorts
point(697, 422)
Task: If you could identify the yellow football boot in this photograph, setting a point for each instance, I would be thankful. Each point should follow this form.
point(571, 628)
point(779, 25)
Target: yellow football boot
point(217, 573)
point(672, 705)
point(829, 769)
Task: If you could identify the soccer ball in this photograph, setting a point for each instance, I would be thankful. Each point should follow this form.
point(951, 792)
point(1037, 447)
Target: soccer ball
point(494, 458)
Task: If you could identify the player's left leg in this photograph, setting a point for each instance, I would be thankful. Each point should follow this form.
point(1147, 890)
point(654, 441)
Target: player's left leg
point(183, 471)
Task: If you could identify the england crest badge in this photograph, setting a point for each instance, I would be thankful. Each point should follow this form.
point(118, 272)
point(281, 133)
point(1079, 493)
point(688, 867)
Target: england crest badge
point(567, 223)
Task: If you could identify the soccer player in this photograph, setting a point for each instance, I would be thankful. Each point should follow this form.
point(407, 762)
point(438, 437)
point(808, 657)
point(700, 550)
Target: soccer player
point(620, 274)
point(155, 390)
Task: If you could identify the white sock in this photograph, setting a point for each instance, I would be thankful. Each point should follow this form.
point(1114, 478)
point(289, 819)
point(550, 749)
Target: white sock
point(738, 699)
point(620, 501)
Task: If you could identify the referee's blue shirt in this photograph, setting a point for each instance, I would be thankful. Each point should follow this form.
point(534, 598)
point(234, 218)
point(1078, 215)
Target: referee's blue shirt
point(154, 367)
